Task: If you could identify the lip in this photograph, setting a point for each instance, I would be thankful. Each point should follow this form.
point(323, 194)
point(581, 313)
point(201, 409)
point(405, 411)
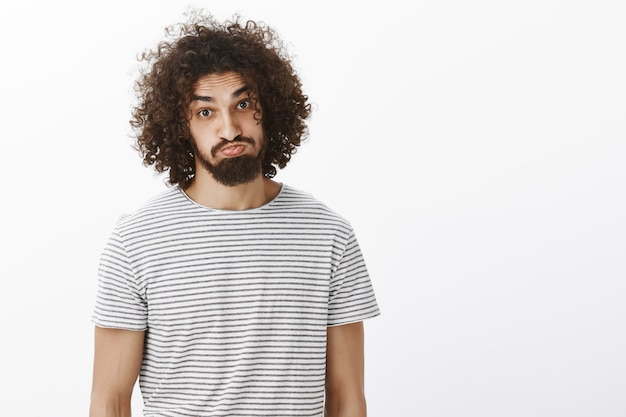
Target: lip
point(233, 150)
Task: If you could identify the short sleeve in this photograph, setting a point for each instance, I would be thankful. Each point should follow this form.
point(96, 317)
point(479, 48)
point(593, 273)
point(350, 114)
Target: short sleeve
point(119, 300)
point(352, 297)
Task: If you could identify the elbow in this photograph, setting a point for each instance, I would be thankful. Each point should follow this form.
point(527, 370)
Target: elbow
point(109, 406)
point(350, 406)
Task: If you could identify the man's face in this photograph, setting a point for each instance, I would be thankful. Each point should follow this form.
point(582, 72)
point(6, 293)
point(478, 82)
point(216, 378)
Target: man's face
point(227, 139)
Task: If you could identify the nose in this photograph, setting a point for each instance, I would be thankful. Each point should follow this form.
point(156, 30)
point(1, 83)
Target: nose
point(229, 127)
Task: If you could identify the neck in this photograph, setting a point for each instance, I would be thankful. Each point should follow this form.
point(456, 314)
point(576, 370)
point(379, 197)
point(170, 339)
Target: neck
point(207, 192)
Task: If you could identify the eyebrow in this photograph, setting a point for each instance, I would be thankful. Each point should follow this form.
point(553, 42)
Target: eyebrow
point(244, 89)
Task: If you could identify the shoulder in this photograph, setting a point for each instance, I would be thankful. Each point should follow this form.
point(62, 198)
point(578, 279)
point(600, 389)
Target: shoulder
point(300, 202)
point(154, 211)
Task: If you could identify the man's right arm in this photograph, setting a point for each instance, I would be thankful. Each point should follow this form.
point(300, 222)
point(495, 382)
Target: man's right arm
point(117, 361)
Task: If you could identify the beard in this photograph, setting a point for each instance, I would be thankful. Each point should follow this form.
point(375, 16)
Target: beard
point(232, 171)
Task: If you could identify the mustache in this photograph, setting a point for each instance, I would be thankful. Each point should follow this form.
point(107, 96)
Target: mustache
point(237, 140)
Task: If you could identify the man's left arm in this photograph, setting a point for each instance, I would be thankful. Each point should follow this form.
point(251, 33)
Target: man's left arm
point(345, 393)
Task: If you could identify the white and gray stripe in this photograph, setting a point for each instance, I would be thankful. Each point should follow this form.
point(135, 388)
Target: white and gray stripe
point(235, 304)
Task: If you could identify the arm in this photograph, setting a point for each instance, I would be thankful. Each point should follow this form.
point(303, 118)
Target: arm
point(117, 360)
point(345, 394)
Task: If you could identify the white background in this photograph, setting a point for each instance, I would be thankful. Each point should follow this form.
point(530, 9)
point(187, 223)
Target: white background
point(477, 147)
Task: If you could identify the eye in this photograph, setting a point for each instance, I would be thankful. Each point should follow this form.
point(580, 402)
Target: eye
point(243, 104)
point(204, 113)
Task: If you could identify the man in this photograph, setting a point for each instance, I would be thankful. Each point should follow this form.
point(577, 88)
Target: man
point(228, 294)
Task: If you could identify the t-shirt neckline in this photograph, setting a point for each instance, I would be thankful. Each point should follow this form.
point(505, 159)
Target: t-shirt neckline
point(212, 209)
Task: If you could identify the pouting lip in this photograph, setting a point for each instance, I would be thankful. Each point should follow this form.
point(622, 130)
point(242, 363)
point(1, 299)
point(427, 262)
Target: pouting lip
point(242, 141)
point(232, 145)
point(235, 149)
point(218, 149)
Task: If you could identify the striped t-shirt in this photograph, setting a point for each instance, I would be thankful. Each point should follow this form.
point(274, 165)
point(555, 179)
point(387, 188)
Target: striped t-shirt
point(235, 304)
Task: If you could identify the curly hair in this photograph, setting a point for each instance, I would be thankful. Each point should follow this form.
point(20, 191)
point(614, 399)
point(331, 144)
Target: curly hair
point(204, 46)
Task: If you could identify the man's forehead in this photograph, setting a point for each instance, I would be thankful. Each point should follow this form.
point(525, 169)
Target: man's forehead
point(223, 82)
